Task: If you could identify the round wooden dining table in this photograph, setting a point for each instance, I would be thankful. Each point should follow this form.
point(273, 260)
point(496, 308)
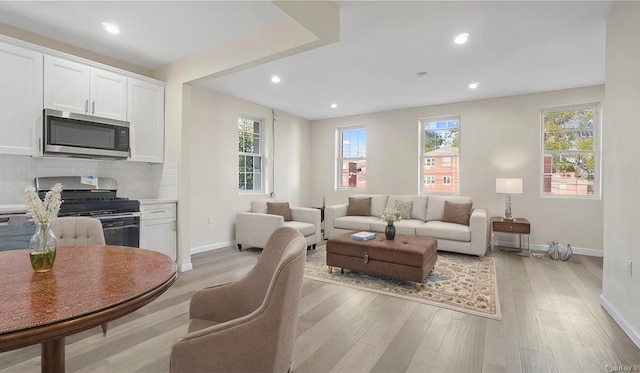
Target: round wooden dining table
point(87, 287)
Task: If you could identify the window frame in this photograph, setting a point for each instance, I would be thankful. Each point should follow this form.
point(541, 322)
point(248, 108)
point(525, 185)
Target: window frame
point(340, 158)
point(597, 150)
point(422, 122)
point(430, 162)
point(446, 180)
point(430, 180)
point(260, 154)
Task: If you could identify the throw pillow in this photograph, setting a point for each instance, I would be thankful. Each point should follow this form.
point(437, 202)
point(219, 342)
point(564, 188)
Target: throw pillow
point(279, 208)
point(359, 206)
point(404, 208)
point(459, 213)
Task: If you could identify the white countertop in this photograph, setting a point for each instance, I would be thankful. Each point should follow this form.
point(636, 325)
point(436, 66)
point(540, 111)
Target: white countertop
point(12, 209)
point(156, 201)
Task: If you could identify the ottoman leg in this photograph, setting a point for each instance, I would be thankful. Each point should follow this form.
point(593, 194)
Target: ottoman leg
point(329, 269)
point(418, 286)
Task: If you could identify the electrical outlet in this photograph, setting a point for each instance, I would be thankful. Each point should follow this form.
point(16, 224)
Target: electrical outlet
point(210, 219)
point(629, 268)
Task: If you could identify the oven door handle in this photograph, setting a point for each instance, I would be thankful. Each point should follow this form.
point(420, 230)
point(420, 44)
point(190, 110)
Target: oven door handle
point(118, 216)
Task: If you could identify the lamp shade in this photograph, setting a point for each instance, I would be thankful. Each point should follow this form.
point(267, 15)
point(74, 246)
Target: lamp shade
point(509, 185)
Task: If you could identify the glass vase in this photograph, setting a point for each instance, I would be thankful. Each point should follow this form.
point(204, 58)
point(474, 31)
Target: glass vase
point(42, 248)
point(390, 232)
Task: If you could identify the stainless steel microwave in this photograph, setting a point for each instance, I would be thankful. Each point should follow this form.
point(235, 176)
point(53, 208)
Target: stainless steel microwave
point(86, 136)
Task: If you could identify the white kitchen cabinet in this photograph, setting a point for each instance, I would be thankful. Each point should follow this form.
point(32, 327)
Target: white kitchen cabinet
point(78, 88)
point(146, 116)
point(158, 227)
point(20, 100)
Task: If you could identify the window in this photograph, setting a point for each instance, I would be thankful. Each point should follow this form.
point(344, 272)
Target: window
point(352, 159)
point(429, 162)
point(570, 157)
point(440, 154)
point(250, 175)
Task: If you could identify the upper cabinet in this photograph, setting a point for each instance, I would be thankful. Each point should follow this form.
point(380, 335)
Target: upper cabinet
point(146, 116)
point(78, 88)
point(20, 99)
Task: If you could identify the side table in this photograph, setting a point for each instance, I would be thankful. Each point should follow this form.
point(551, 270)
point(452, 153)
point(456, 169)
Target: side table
point(519, 226)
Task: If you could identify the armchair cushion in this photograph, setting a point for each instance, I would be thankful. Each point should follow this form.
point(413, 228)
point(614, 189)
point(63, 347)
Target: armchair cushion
point(279, 208)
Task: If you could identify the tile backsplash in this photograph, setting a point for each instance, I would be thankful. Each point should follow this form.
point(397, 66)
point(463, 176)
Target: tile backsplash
point(135, 179)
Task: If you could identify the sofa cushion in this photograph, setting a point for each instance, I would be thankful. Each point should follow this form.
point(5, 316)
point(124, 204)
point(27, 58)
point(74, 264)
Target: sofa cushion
point(359, 206)
point(435, 205)
point(360, 223)
point(259, 207)
point(418, 205)
point(378, 202)
point(279, 208)
point(402, 227)
point(404, 209)
point(458, 213)
point(305, 228)
point(444, 231)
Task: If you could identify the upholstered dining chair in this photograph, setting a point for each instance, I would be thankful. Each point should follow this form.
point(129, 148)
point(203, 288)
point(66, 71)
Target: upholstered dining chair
point(248, 325)
point(77, 230)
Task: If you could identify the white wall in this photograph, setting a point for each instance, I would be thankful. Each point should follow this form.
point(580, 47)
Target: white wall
point(212, 138)
point(135, 179)
point(498, 138)
point(620, 293)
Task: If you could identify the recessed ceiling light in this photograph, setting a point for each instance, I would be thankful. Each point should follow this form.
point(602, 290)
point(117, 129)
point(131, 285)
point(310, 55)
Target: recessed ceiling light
point(421, 74)
point(474, 85)
point(333, 106)
point(462, 38)
point(111, 28)
point(275, 79)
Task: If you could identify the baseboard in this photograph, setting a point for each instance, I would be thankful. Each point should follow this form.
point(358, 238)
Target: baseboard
point(545, 248)
point(215, 246)
point(185, 267)
point(621, 321)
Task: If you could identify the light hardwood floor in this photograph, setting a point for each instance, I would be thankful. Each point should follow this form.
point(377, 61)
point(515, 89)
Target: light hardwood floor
point(551, 321)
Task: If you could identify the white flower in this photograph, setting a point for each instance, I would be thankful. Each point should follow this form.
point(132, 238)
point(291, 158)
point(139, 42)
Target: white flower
point(41, 212)
point(390, 216)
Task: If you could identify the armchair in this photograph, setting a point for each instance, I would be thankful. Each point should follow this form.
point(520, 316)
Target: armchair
point(248, 325)
point(254, 228)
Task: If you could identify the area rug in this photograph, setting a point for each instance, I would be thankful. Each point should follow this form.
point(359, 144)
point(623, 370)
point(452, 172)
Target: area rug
point(458, 282)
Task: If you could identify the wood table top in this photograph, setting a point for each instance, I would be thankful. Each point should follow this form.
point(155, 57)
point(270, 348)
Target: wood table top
point(92, 283)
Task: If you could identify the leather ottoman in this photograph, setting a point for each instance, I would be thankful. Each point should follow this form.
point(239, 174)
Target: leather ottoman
point(408, 258)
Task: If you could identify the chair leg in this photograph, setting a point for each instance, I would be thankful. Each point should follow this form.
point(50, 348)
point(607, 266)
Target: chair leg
point(239, 247)
point(308, 248)
point(314, 246)
point(104, 329)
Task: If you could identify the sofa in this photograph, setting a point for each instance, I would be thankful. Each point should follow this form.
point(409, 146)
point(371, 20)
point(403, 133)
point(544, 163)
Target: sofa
point(254, 227)
point(429, 216)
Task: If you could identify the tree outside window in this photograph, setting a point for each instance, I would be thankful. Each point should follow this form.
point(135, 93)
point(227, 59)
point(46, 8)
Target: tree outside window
point(352, 159)
point(570, 157)
point(250, 175)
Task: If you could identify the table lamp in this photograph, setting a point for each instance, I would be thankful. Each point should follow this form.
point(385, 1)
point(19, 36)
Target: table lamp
point(508, 186)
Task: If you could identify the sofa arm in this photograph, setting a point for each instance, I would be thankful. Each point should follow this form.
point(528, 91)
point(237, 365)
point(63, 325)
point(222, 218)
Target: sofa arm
point(308, 215)
point(254, 229)
point(478, 226)
point(331, 213)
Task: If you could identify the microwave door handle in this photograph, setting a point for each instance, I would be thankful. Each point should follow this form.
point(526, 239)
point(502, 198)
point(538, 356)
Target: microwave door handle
point(93, 107)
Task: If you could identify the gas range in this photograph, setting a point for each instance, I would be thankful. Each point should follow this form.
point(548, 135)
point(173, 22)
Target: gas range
point(96, 197)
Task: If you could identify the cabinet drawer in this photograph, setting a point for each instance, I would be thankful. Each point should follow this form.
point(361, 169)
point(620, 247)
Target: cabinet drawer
point(511, 227)
point(160, 211)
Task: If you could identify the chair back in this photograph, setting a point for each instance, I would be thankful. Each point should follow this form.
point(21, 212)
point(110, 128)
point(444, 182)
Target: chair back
point(77, 230)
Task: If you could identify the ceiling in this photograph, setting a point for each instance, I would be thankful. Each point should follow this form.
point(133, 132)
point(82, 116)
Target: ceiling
point(515, 47)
